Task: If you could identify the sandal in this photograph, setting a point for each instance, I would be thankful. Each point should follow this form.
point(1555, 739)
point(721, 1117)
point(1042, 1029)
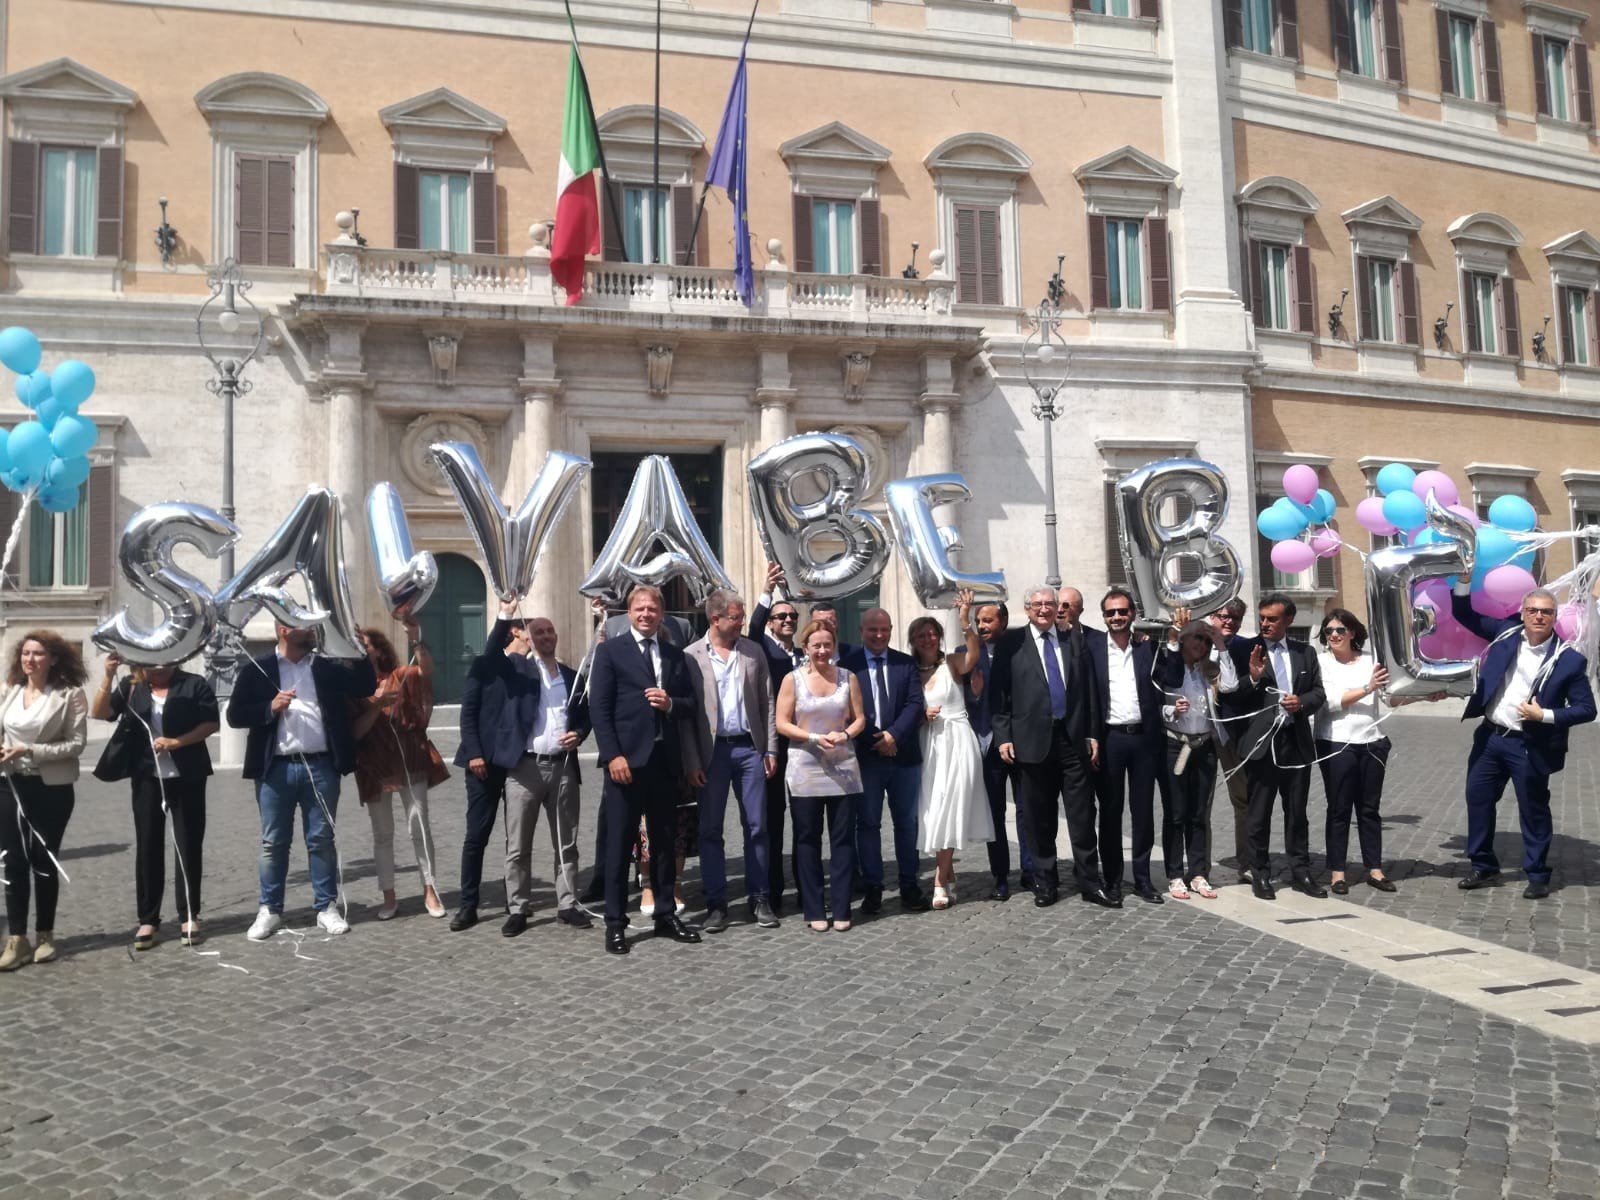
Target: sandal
point(191, 935)
point(143, 940)
point(941, 898)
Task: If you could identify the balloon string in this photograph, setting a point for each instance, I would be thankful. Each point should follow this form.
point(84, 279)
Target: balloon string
point(15, 536)
point(410, 785)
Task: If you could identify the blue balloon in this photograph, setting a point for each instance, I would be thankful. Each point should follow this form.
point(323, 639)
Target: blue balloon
point(1324, 505)
point(29, 448)
point(1426, 536)
point(1514, 513)
point(1404, 510)
point(19, 350)
point(1306, 514)
point(72, 382)
point(58, 500)
point(73, 435)
point(50, 411)
point(1277, 524)
point(13, 479)
point(5, 457)
point(1494, 549)
point(1396, 477)
point(33, 390)
point(67, 472)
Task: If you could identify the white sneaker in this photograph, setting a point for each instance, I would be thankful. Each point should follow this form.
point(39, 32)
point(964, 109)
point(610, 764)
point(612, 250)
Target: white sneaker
point(329, 921)
point(264, 925)
point(1176, 890)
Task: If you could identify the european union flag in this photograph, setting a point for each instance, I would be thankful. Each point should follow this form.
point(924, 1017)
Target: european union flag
point(727, 171)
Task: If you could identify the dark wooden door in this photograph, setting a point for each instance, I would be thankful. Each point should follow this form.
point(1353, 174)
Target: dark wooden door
point(454, 624)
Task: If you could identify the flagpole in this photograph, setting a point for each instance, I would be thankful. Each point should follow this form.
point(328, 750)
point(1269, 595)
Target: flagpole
point(655, 183)
point(700, 209)
point(599, 144)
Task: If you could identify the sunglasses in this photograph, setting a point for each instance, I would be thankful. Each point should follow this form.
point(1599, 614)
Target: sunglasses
point(1335, 631)
point(1116, 612)
point(785, 616)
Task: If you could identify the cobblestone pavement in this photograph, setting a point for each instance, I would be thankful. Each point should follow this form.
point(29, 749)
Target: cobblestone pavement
point(990, 1051)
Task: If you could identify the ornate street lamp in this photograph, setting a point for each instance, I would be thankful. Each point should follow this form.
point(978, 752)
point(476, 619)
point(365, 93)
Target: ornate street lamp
point(1045, 363)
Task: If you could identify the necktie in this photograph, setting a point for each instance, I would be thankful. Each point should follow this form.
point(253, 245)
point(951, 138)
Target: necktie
point(1052, 671)
point(648, 645)
point(1280, 668)
point(880, 691)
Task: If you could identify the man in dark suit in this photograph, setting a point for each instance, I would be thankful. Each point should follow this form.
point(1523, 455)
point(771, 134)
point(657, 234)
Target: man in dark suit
point(1046, 712)
point(1532, 688)
point(890, 753)
point(991, 621)
point(1228, 620)
point(296, 705)
point(1281, 676)
point(773, 626)
point(1133, 743)
point(499, 704)
point(639, 692)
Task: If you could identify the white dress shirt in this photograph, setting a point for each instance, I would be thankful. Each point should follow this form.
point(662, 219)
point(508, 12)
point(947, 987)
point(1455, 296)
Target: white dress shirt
point(728, 675)
point(1201, 717)
point(550, 724)
point(654, 651)
point(875, 663)
point(165, 767)
point(300, 728)
point(1039, 644)
point(1359, 722)
point(1123, 685)
point(1517, 687)
point(1282, 668)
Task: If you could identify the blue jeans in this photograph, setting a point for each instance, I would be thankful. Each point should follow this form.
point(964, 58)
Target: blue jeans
point(1496, 760)
point(289, 785)
point(742, 766)
point(902, 784)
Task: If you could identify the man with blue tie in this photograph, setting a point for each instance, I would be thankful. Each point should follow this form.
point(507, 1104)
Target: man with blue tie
point(1532, 688)
point(890, 754)
point(991, 621)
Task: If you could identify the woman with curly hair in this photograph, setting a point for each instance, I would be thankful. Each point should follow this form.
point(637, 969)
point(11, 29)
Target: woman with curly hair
point(44, 723)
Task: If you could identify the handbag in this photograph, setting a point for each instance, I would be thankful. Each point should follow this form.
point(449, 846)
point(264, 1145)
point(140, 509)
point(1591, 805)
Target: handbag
point(121, 754)
point(437, 771)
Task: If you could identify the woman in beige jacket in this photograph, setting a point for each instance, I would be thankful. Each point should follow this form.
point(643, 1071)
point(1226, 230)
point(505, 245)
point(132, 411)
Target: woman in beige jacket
point(44, 720)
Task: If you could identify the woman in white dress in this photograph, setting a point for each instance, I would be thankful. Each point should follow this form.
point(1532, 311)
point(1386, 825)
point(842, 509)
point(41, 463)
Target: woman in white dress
point(953, 811)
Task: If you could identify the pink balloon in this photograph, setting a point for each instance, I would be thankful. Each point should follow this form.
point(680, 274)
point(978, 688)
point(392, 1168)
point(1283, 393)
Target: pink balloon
point(1300, 483)
point(1434, 594)
point(1370, 514)
point(1508, 585)
point(1487, 605)
point(1567, 620)
point(1292, 557)
point(1461, 510)
point(1325, 543)
point(1441, 485)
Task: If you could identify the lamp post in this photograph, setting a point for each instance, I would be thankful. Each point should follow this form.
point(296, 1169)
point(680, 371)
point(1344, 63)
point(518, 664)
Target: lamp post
point(219, 344)
point(1044, 366)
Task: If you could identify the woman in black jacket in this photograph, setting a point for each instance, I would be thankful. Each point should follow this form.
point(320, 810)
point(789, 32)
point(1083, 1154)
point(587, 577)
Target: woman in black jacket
point(164, 716)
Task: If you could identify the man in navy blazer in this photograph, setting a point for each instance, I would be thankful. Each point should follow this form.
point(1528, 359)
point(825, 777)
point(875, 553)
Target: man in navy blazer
point(640, 691)
point(890, 753)
point(1133, 743)
point(296, 705)
point(1532, 688)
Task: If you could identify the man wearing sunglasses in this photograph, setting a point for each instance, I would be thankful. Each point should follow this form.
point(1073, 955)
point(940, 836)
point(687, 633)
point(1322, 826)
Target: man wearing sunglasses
point(1227, 621)
point(1532, 687)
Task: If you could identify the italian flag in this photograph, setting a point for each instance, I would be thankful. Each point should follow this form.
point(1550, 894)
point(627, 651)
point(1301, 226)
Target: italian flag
point(577, 231)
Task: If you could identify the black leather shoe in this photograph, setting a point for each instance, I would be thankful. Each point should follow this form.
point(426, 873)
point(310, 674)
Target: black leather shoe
point(1473, 880)
point(1263, 889)
point(514, 925)
point(1101, 897)
point(670, 926)
point(465, 918)
point(1045, 894)
point(1148, 894)
point(1307, 886)
point(1380, 884)
point(912, 900)
point(871, 901)
point(617, 940)
point(1340, 887)
point(761, 913)
point(716, 921)
point(1114, 891)
point(1536, 891)
point(1025, 883)
point(1002, 891)
point(1247, 877)
point(575, 917)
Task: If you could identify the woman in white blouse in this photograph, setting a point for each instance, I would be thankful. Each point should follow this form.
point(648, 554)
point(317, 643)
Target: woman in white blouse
point(44, 723)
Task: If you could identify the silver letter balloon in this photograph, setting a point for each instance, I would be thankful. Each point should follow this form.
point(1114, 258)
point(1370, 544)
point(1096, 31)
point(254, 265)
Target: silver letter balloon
point(656, 513)
point(1158, 536)
point(1392, 576)
point(405, 578)
point(925, 547)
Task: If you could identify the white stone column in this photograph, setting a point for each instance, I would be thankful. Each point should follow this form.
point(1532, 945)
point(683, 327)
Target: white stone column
point(347, 476)
point(539, 401)
point(775, 395)
point(1199, 146)
point(937, 454)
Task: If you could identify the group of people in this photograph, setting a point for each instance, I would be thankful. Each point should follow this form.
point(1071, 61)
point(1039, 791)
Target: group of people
point(796, 725)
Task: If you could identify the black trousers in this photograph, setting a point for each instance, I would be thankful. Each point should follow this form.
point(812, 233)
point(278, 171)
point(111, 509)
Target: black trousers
point(1186, 835)
point(777, 802)
point(186, 800)
point(45, 809)
point(653, 794)
point(841, 816)
point(1353, 780)
point(1064, 772)
point(1292, 781)
point(1130, 771)
point(483, 801)
point(996, 774)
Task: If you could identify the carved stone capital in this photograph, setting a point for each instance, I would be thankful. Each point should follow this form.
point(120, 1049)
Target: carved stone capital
point(776, 397)
point(938, 401)
point(540, 389)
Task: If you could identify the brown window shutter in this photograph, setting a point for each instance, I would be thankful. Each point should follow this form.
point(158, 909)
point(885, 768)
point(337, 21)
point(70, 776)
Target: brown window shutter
point(683, 253)
point(1344, 49)
point(1474, 326)
point(1592, 313)
point(1447, 77)
point(1254, 282)
point(871, 219)
point(1116, 569)
point(249, 209)
point(1082, 5)
point(989, 291)
point(102, 501)
point(1581, 88)
point(968, 266)
point(1491, 61)
point(485, 214)
point(804, 255)
point(407, 207)
point(1411, 320)
point(1233, 22)
point(612, 247)
point(1288, 29)
point(1099, 281)
point(1305, 311)
point(1150, 10)
point(1541, 85)
point(8, 516)
point(280, 212)
point(22, 198)
point(1394, 55)
point(1510, 324)
point(108, 214)
point(1159, 256)
point(1327, 573)
point(1568, 334)
point(1366, 302)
